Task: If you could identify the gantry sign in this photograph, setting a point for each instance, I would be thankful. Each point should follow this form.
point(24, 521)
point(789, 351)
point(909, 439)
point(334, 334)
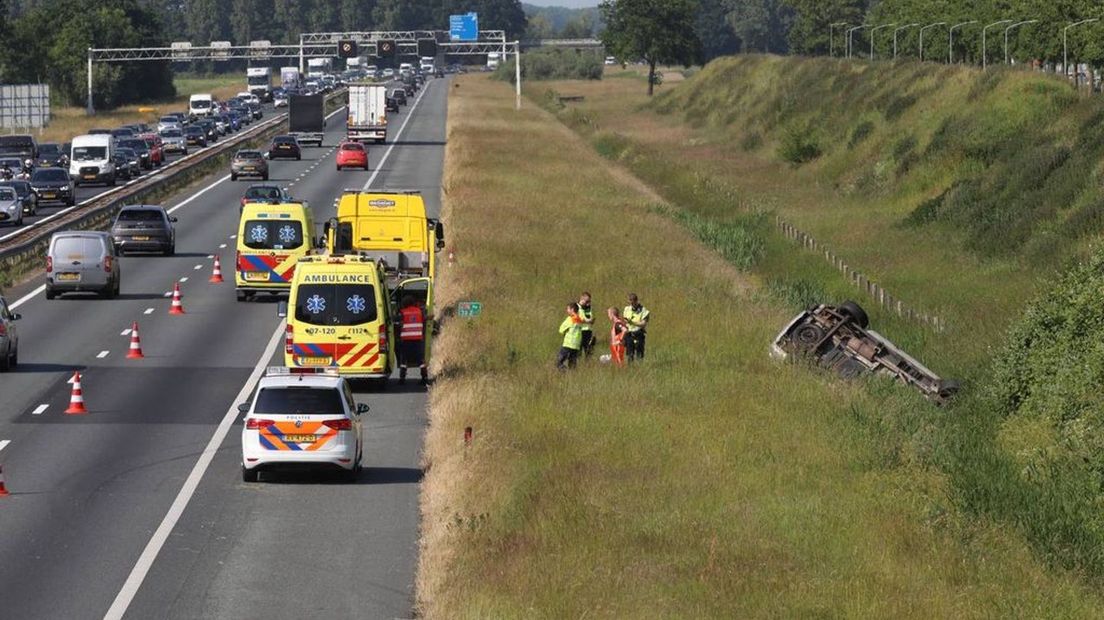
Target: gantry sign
point(312, 45)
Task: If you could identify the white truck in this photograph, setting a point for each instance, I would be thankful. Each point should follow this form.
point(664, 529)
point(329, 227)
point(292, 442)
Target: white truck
point(258, 81)
point(317, 67)
point(494, 59)
point(201, 105)
point(289, 77)
point(425, 63)
point(367, 118)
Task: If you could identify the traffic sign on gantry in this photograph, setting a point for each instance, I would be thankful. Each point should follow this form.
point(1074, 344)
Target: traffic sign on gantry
point(464, 27)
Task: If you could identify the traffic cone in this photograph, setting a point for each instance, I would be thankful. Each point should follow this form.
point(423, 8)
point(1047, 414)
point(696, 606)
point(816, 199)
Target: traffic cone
point(177, 306)
point(135, 352)
point(3, 489)
point(76, 397)
point(216, 275)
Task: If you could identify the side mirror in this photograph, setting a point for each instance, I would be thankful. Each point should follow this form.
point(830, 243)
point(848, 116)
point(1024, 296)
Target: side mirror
point(321, 243)
point(173, 219)
point(282, 309)
point(243, 408)
point(16, 316)
point(362, 408)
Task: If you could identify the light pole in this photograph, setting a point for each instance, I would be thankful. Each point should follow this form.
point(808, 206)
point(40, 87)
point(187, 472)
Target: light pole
point(874, 30)
point(1007, 58)
point(984, 59)
point(850, 33)
point(1065, 48)
point(831, 39)
point(895, 31)
point(936, 24)
point(950, 40)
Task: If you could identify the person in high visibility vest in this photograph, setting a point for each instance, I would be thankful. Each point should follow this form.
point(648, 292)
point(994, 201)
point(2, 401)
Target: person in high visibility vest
point(587, 315)
point(572, 331)
point(412, 338)
point(618, 329)
point(636, 316)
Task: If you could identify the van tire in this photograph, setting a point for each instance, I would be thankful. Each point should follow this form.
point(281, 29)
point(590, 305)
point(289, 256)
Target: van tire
point(857, 314)
point(250, 475)
point(242, 296)
point(5, 362)
point(50, 294)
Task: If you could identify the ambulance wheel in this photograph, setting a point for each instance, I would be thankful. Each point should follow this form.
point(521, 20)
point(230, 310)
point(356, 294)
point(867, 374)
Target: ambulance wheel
point(250, 475)
point(243, 296)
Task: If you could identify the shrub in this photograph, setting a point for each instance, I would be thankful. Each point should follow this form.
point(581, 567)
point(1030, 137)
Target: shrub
point(799, 145)
point(898, 106)
point(554, 64)
point(751, 141)
point(861, 132)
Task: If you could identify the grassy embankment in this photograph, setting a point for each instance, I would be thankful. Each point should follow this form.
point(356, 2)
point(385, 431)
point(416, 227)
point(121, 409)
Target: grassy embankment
point(964, 192)
point(72, 121)
point(708, 482)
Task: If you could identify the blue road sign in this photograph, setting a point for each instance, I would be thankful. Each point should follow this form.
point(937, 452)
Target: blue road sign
point(464, 27)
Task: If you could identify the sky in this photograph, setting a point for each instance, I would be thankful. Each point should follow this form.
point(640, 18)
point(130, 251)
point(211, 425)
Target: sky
point(571, 4)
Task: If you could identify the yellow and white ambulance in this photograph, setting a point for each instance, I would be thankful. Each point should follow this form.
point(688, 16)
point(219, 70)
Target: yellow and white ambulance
point(271, 238)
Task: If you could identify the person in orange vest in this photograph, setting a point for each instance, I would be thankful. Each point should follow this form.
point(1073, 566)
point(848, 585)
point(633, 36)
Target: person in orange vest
point(412, 338)
point(618, 327)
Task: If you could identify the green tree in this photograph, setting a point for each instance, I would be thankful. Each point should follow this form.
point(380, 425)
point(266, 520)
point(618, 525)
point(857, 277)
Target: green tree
point(716, 34)
point(540, 27)
point(581, 27)
point(288, 18)
point(810, 34)
point(658, 31)
point(761, 25)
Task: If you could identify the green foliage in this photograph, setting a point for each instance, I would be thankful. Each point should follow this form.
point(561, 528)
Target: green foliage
point(798, 294)
point(553, 64)
point(657, 31)
point(761, 25)
point(860, 133)
point(799, 144)
point(739, 240)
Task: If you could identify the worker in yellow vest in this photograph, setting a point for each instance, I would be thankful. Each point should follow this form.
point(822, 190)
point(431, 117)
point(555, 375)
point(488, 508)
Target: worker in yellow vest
point(572, 331)
point(587, 315)
point(636, 316)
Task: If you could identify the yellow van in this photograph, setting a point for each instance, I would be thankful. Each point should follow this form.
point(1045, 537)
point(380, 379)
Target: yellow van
point(270, 239)
point(340, 314)
point(391, 225)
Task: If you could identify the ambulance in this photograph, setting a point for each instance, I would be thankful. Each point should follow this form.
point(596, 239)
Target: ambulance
point(341, 312)
point(271, 238)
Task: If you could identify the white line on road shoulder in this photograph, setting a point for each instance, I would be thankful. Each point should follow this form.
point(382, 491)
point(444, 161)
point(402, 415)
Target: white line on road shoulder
point(102, 354)
point(148, 311)
point(125, 332)
point(39, 409)
point(153, 547)
point(4, 443)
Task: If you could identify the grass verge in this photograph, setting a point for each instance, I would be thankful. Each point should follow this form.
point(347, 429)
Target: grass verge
point(707, 482)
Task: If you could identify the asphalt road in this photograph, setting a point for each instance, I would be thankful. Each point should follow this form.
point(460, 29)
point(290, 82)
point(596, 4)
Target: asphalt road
point(91, 492)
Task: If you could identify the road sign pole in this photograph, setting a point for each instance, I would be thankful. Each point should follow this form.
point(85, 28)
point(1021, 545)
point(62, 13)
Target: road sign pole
point(517, 72)
point(89, 109)
point(302, 67)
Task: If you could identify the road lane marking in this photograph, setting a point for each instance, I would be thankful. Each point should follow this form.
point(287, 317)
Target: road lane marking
point(125, 332)
point(39, 409)
point(167, 294)
point(148, 311)
point(102, 354)
point(4, 443)
point(387, 153)
point(153, 547)
point(233, 236)
point(198, 267)
point(29, 296)
point(222, 246)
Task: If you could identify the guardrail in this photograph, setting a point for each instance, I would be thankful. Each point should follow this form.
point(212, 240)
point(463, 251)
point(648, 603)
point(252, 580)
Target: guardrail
point(28, 247)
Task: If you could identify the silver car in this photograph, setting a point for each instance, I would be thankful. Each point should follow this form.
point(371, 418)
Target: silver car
point(167, 122)
point(9, 337)
point(82, 261)
point(11, 207)
point(174, 141)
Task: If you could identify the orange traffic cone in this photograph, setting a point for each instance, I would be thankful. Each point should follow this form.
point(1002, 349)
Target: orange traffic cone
point(135, 352)
point(76, 398)
point(3, 489)
point(216, 275)
point(177, 306)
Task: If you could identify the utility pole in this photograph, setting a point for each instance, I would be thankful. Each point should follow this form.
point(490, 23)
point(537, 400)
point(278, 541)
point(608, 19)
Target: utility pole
point(984, 57)
point(831, 39)
point(1007, 58)
point(517, 72)
point(850, 37)
point(89, 108)
point(872, 32)
point(935, 25)
point(950, 40)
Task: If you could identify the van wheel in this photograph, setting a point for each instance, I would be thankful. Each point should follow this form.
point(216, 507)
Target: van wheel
point(857, 314)
point(50, 294)
point(242, 296)
point(250, 475)
point(5, 364)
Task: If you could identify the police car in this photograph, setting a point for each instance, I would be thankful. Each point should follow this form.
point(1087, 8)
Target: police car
point(302, 419)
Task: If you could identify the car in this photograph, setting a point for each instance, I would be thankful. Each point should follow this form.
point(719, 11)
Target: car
point(11, 207)
point(388, 72)
point(280, 100)
point(9, 337)
point(53, 185)
point(52, 154)
point(27, 196)
point(121, 133)
point(839, 338)
point(302, 420)
point(140, 148)
point(391, 104)
point(123, 171)
point(133, 160)
point(237, 119)
point(13, 168)
point(408, 89)
point(222, 124)
point(248, 163)
point(144, 228)
point(194, 135)
point(352, 154)
point(399, 95)
point(256, 109)
point(243, 112)
point(168, 121)
point(285, 147)
point(271, 194)
point(156, 147)
point(249, 98)
point(173, 141)
point(208, 125)
point(82, 261)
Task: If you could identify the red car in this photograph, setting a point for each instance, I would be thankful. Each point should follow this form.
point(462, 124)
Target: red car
point(352, 155)
point(157, 153)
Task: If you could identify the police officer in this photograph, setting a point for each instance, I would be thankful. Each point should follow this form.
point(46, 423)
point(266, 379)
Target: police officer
point(412, 338)
point(587, 315)
point(636, 316)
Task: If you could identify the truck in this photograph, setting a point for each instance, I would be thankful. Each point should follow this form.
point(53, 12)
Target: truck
point(387, 225)
point(289, 78)
point(425, 64)
point(317, 67)
point(259, 82)
point(493, 60)
point(306, 119)
point(367, 118)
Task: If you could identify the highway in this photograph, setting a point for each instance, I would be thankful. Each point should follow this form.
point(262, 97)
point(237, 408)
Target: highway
point(126, 510)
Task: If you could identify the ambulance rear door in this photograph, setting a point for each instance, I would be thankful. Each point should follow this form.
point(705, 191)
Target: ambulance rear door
point(421, 289)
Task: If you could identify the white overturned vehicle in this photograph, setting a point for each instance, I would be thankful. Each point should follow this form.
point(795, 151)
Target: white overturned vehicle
point(837, 338)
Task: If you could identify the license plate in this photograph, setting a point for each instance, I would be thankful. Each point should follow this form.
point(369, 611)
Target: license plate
point(256, 276)
point(314, 361)
point(68, 277)
point(250, 169)
point(300, 438)
point(49, 196)
point(286, 148)
point(140, 238)
point(89, 177)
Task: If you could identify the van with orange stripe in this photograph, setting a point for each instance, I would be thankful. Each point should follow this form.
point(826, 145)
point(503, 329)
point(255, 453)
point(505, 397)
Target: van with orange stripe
point(271, 238)
point(340, 315)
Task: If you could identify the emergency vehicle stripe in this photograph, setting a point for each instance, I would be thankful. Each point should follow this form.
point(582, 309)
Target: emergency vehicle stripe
point(307, 348)
point(268, 445)
point(352, 353)
point(272, 440)
point(290, 446)
point(322, 440)
point(280, 268)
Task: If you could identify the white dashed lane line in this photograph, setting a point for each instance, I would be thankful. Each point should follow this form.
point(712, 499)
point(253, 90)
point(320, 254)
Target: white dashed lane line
point(102, 354)
point(148, 311)
point(4, 443)
point(39, 409)
point(125, 332)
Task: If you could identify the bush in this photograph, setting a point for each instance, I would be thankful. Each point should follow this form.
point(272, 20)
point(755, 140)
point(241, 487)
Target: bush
point(553, 64)
point(861, 132)
point(799, 145)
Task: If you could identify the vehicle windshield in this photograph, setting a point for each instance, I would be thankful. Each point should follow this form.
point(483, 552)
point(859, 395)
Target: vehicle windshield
point(21, 188)
point(11, 163)
point(140, 215)
point(262, 193)
point(273, 234)
point(7, 193)
point(201, 105)
point(194, 130)
point(258, 80)
point(168, 119)
point(284, 140)
point(172, 133)
point(299, 401)
point(52, 174)
point(249, 155)
point(134, 144)
point(89, 153)
point(335, 304)
point(49, 149)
